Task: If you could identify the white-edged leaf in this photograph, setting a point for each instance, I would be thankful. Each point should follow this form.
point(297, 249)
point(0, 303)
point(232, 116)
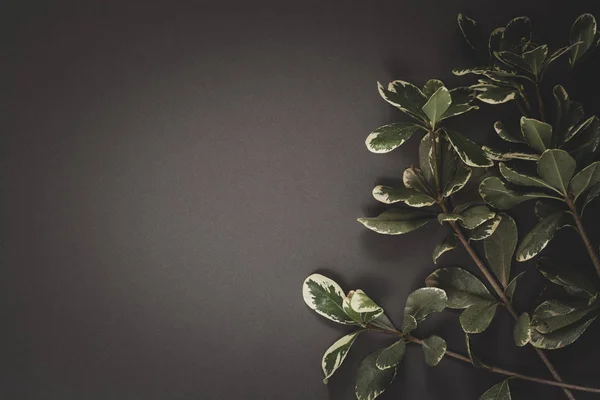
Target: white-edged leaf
point(388, 137)
point(536, 58)
point(592, 194)
point(391, 355)
point(478, 317)
point(467, 150)
point(562, 337)
point(486, 229)
point(397, 221)
point(411, 197)
point(462, 288)
point(470, 30)
point(556, 167)
point(506, 134)
point(497, 155)
point(537, 134)
point(500, 248)
point(512, 286)
point(336, 354)
point(553, 315)
point(361, 303)
point(370, 380)
point(431, 86)
point(462, 98)
point(517, 32)
point(521, 330)
point(325, 297)
point(495, 94)
point(584, 31)
point(434, 348)
point(449, 243)
point(586, 178)
point(573, 282)
point(521, 179)
point(581, 127)
point(499, 391)
point(406, 97)
point(408, 324)
point(538, 238)
point(496, 194)
point(425, 301)
point(495, 41)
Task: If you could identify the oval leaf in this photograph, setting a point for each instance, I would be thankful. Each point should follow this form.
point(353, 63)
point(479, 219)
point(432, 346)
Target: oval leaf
point(336, 354)
point(462, 288)
point(583, 32)
point(391, 136)
point(434, 349)
point(500, 248)
point(397, 221)
point(586, 178)
point(425, 301)
point(392, 355)
point(500, 391)
point(478, 317)
point(437, 105)
point(556, 167)
point(496, 194)
point(468, 151)
point(537, 134)
point(538, 238)
point(521, 331)
point(325, 297)
point(370, 380)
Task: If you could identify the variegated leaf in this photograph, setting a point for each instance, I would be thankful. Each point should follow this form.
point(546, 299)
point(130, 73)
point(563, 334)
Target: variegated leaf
point(586, 178)
point(397, 221)
point(552, 315)
point(406, 97)
point(361, 303)
point(411, 197)
point(556, 167)
point(522, 331)
point(506, 134)
point(449, 243)
point(391, 355)
point(461, 287)
point(496, 155)
point(471, 31)
point(496, 194)
point(336, 354)
point(519, 178)
point(486, 229)
point(370, 380)
point(584, 31)
point(325, 297)
point(512, 286)
point(537, 134)
point(431, 86)
point(495, 94)
point(434, 348)
point(437, 105)
point(478, 317)
point(538, 238)
point(391, 136)
point(562, 337)
point(500, 248)
point(467, 150)
point(425, 301)
point(517, 32)
point(499, 391)
point(536, 58)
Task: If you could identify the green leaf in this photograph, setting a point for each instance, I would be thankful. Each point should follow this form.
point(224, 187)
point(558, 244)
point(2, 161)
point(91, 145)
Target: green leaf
point(361, 303)
point(521, 331)
point(475, 216)
point(455, 174)
point(499, 391)
point(586, 178)
point(449, 243)
point(461, 102)
point(500, 248)
point(517, 32)
point(573, 282)
point(486, 229)
point(513, 60)
point(425, 301)
point(579, 129)
point(391, 136)
point(495, 41)
point(336, 354)
point(583, 30)
point(499, 156)
point(382, 321)
point(406, 97)
point(568, 113)
point(370, 380)
point(474, 359)
point(512, 286)
point(519, 178)
point(506, 134)
point(414, 178)
point(437, 105)
point(544, 208)
point(409, 324)
point(468, 151)
point(557, 54)
point(537, 134)
point(434, 348)
point(478, 317)
point(431, 86)
point(391, 356)
point(397, 221)
point(538, 238)
point(535, 58)
point(556, 167)
point(427, 160)
point(461, 287)
point(496, 194)
point(552, 315)
point(411, 197)
point(495, 94)
point(325, 297)
point(471, 32)
point(592, 194)
point(587, 142)
point(562, 337)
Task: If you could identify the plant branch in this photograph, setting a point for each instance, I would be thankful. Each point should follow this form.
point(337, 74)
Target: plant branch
point(491, 368)
point(500, 292)
point(588, 245)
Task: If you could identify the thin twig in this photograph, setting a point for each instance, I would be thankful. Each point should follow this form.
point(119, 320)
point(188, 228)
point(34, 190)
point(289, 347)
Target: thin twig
point(488, 367)
point(583, 234)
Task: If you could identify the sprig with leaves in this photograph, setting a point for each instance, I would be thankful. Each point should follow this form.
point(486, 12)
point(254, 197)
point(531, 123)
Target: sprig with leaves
point(456, 185)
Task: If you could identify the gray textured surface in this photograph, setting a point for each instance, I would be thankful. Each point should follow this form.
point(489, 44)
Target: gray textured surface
point(172, 172)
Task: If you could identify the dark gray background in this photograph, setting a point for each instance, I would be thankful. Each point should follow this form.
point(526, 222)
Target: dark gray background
point(171, 172)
